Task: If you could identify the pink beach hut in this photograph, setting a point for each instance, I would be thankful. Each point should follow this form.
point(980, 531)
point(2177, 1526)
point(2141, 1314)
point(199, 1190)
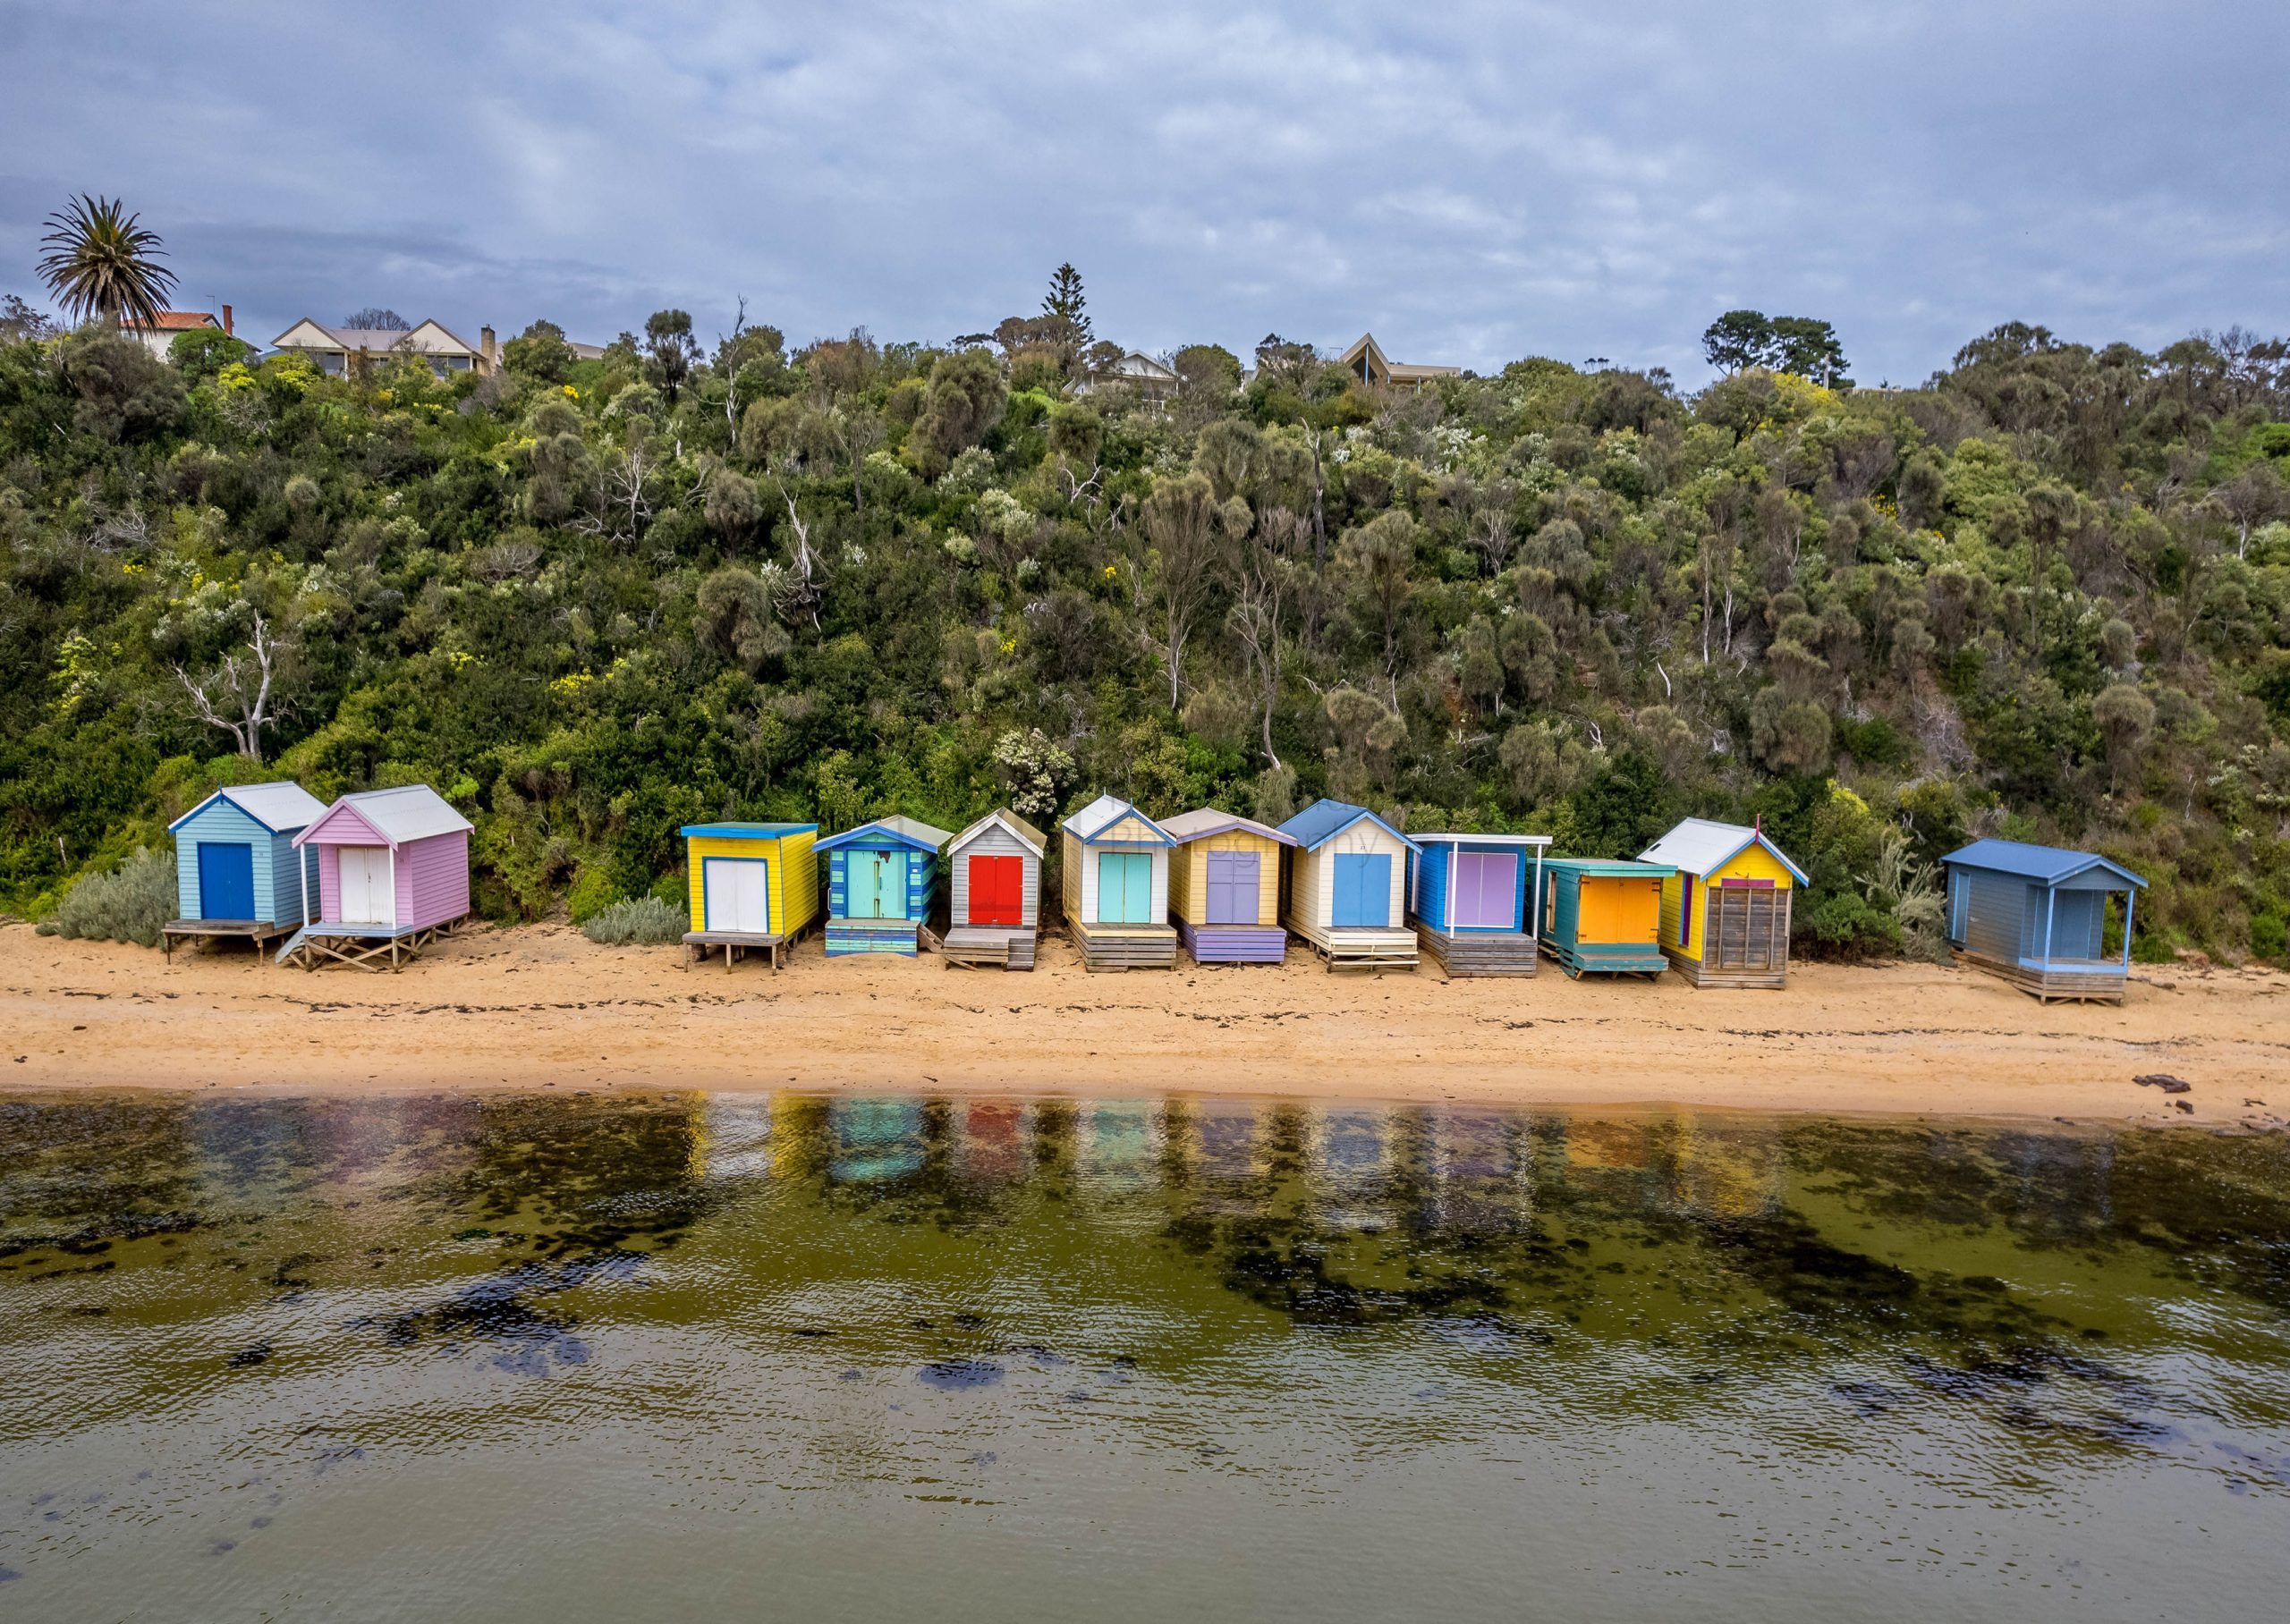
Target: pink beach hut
point(392, 871)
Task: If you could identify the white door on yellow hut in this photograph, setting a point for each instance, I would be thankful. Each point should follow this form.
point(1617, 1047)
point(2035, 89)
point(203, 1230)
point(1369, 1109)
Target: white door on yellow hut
point(738, 899)
point(367, 896)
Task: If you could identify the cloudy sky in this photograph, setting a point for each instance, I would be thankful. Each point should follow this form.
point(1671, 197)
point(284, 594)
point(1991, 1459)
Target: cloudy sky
point(1473, 183)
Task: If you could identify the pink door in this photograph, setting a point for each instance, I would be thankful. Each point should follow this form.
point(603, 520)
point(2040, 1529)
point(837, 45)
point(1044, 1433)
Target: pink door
point(1486, 889)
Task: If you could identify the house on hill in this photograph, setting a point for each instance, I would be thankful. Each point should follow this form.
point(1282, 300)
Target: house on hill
point(332, 350)
point(172, 325)
point(1366, 361)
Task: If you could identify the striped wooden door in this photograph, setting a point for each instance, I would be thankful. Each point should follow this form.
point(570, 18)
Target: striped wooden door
point(1232, 888)
point(1747, 929)
point(998, 891)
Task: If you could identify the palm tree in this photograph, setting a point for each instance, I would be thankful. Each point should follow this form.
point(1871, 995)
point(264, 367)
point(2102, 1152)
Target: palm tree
point(102, 266)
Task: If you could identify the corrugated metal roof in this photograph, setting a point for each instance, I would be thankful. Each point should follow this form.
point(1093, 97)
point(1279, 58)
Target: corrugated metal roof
point(411, 812)
point(2046, 865)
point(1610, 867)
point(748, 832)
point(914, 831)
point(1025, 832)
point(1699, 844)
point(1205, 821)
point(282, 807)
point(1323, 820)
point(1103, 813)
point(1450, 837)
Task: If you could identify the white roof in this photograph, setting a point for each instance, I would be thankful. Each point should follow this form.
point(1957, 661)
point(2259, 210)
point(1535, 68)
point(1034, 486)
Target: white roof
point(279, 808)
point(412, 813)
point(1101, 815)
point(1451, 837)
point(1207, 820)
point(1031, 837)
point(1701, 844)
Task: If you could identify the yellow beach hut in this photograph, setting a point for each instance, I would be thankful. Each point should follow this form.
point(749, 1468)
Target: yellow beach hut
point(1725, 911)
point(753, 886)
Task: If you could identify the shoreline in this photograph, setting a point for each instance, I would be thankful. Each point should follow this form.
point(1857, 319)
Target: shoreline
point(532, 1007)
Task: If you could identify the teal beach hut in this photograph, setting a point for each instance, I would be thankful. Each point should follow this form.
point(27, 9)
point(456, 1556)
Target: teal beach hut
point(238, 872)
point(882, 886)
point(1604, 919)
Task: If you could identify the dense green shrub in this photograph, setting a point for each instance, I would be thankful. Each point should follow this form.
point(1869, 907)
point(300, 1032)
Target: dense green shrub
point(637, 922)
point(131, 903)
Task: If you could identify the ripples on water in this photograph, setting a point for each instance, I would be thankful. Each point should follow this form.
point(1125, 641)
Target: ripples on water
point(517, 1358)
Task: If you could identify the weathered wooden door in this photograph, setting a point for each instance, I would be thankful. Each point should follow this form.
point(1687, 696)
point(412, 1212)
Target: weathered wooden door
point(363, 876)
point(1233, 877)
point(1364, 891)
point(738, 892)
point(998, 891)
point(1124, 888)
point(1747, 929)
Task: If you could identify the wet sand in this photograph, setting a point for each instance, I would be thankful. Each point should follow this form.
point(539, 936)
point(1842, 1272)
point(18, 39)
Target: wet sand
point(540, 1006)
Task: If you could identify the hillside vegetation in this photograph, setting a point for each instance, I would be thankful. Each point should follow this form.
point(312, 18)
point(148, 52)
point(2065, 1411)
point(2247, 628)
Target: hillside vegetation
point(2047, 596)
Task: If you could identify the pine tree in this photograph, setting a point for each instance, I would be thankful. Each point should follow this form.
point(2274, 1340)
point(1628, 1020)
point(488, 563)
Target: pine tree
point(1065, 304)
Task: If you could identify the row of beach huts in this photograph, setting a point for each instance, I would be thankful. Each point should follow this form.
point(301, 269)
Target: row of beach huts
point(372, 879)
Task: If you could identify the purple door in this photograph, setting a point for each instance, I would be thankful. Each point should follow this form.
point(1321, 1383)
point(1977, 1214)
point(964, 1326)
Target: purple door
point(1232, 888)
point(1486, 889)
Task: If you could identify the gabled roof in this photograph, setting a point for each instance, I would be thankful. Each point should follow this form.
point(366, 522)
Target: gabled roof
point(1205, 821)
point(1449, 837)
point(746, 831)
point(1033, 839)
point(1603, 867)
point(423, 338)
point(906, 830)
point(412, 812)
point(2044, 865)
point(1699, 844)
point(1323, 820)
point(1103, 813)
point(281, 807)
point(177, 321)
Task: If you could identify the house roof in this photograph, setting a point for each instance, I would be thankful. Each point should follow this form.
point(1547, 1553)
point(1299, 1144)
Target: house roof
point(416, 339)
point(1205, 821)
point(1601, 867)
point(411, 812)
point(1033, 838)
point(1397, 371)
point(907, 831)
point(1699, 844)
point(1103, 813)
point(1448, 837)
point(177, 321)
point(746, 831)
point(2044, 865)
point(281, 808)
point(1323, 820)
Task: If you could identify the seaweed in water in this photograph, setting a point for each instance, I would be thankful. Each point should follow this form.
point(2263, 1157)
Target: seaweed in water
point(952, 1375)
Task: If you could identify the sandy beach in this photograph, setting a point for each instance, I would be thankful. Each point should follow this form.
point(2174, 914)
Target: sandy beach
point(540, 1006)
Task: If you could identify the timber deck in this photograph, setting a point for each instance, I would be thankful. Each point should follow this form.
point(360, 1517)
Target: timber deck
point(1124, 947)
point(2103, 983)
point(1233, 943)
point(987, 947)
point(1607, 959)
point(845, 937)
point(257, 931)
point(1358, 948)
point(361, 946)
point(1698, 974)
point(774, 947)
point(1479, 952)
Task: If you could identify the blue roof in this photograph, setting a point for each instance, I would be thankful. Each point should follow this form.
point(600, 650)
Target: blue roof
point(1323, 820)
point(2044, 865)
point(749, 831)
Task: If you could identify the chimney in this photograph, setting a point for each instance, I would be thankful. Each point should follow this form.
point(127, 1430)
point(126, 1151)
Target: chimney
point(226, 319)
point(484, 344)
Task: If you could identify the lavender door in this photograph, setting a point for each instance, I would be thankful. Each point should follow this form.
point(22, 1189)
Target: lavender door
point(1232, 888)
point(1486, 890)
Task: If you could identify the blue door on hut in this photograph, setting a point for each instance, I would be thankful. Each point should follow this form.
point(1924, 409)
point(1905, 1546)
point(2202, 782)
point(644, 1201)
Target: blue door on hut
point(1124, 888)
point(875, 885)
point(226, 881)
point(1232, 888)
point(1363, 890)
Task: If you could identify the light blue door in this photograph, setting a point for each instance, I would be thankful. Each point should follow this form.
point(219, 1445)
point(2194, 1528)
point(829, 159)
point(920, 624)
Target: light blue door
point(225, 881)
point(1124, 888)
point(873, 888)
point(1363, 890)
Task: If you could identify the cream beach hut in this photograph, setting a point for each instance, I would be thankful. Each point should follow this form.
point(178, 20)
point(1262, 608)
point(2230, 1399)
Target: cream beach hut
point(1117, 887)
point(1224, 887)
point(1347, 886)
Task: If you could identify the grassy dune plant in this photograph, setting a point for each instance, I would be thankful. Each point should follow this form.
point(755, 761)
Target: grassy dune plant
point(129, 904)
point(638, 922)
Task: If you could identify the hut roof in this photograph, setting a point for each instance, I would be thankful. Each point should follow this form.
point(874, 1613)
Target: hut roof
point(1103, 813)
point(1323, 820)
point(1699, 844)
point(1205, 821)
point(410, 812)
point(280, 807)
point(907, 831)
point(746, 831)
point(2044, 865)
point(1602, 867)
point(1456, 837)
point(1034, 838)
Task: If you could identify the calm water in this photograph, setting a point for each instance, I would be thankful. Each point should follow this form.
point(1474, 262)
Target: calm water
point(690, 1356)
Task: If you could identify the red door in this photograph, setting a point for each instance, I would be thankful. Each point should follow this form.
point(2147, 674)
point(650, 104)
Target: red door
point(997, 887)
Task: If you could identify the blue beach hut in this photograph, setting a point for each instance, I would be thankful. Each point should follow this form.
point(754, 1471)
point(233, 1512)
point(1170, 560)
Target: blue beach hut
point(237, 870)
point(882, 882)
point(2036, 917)
point(1347, 886)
